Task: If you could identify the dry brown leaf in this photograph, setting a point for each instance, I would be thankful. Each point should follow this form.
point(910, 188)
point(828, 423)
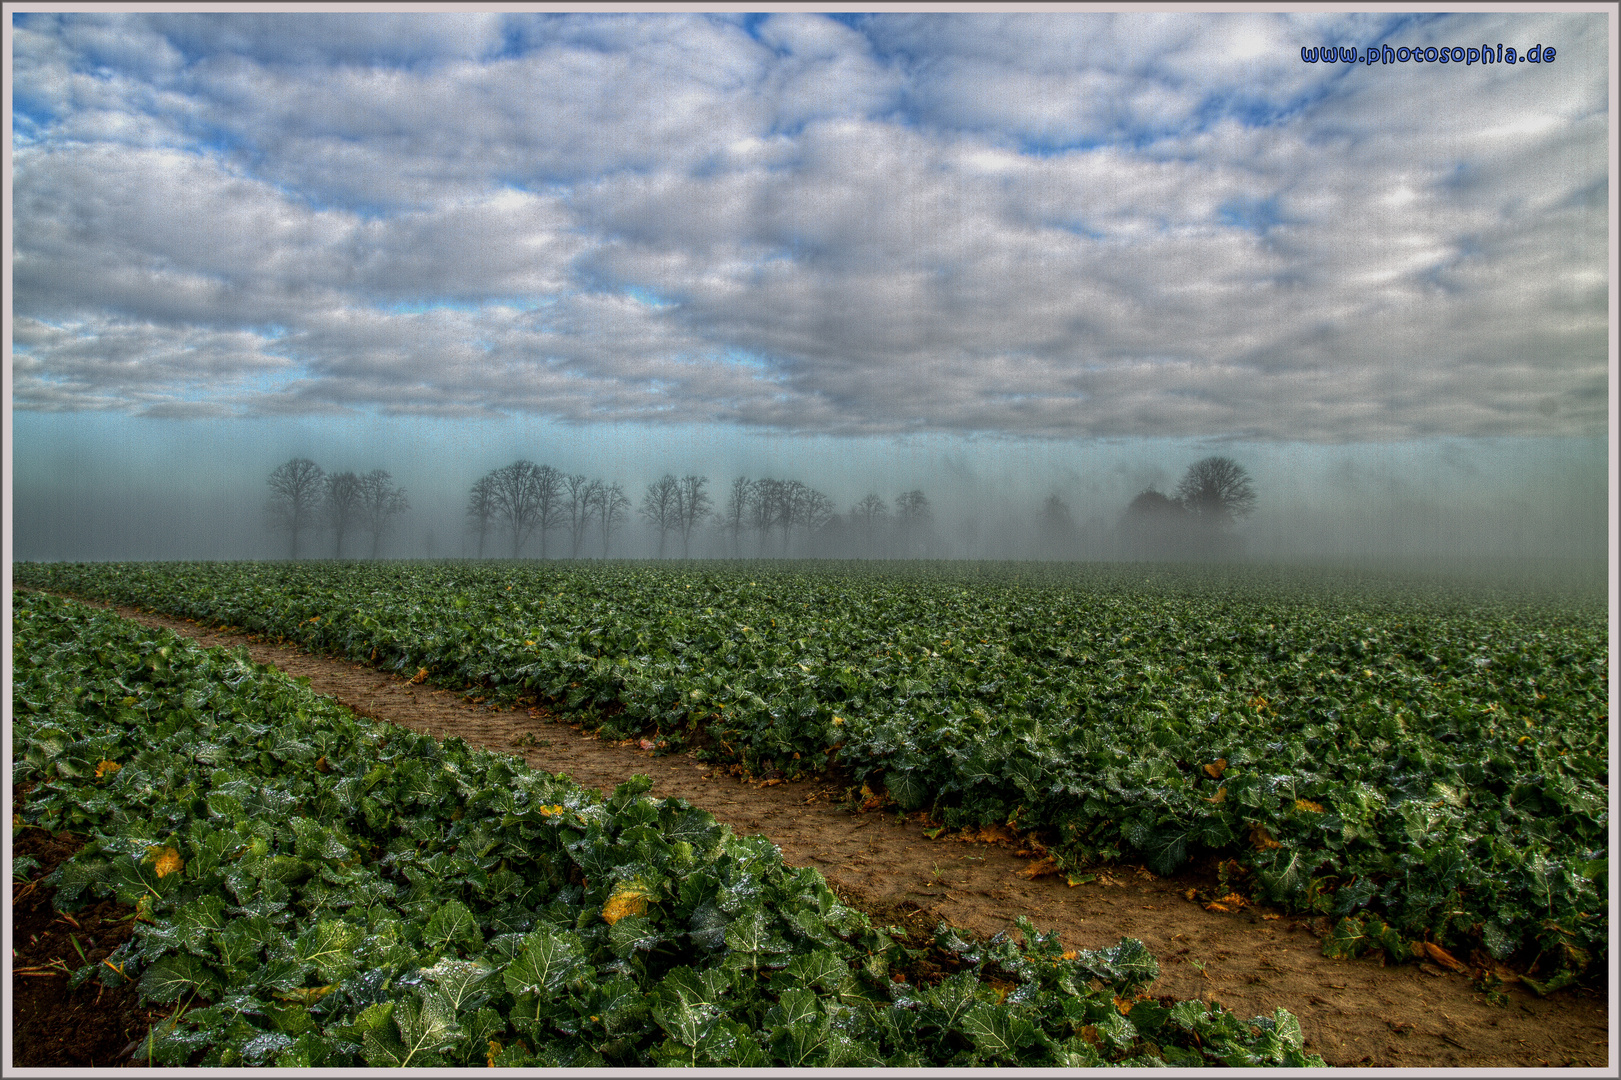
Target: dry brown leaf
point(1216, 768)
point(1434, 952)
point(1219, 797)
point(1040, 868)
point(1262, 839)
point(1229, 903)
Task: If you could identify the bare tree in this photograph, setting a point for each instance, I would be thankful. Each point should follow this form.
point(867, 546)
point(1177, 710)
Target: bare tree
point(548, 502)
point(661, 506)
point(1216, 491)
point(914, 520)
point(516, 500)
point(814, 510)
point(341, 507)
point(294, 505)
point(692, 507)
point(735, 518)
point(791, 508)
point(613, 507)
point(380, 502)
point(868, 516)
point(578, 499)
point(766, 508)
point(482, 508)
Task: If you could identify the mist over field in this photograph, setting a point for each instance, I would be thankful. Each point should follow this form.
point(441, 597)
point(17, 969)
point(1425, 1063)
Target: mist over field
point(107, 497)
point(1030, 266)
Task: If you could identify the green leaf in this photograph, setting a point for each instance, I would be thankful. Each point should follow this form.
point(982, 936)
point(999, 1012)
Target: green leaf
point(451, 925)
point(459, 981)
point(548, 961)
point(329, 946)
point(174, 977)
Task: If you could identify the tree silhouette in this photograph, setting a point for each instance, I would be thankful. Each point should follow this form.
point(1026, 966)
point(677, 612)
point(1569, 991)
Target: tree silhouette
point(482, 508)
point(579, 496)
point(868, 517)
point(548, 488)
point(692, 507)
point(294, 505)
point(661, 506)
point(514, 490)
point(613, 507)
point(1216, 491)
point(341, 507)
point(914, 521)
point(380, 502)
point(735, 518)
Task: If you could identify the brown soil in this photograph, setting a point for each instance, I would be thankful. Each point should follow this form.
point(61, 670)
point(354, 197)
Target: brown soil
point(52, 1026)
point(1353, 1013)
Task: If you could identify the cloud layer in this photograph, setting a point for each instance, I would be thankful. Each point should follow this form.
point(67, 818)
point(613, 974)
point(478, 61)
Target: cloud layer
point(1035, 225)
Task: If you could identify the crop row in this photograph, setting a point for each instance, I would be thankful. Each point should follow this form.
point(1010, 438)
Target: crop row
point(1420, 765)
point(311, 889)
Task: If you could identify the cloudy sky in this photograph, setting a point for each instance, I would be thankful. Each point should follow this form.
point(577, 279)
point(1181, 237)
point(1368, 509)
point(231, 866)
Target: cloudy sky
point(1055, 243)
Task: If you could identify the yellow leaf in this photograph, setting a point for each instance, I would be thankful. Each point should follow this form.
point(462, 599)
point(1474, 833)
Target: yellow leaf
point(1231, 902)
point(1040, 868)
point(306, 995)
point(1220, 796)
point(550, 811)
point(165, 860)
point(106, 768)
point(838, 719)
point(1438, 954)
point(629, 899)
point(528, 642)
point(1262, 839)
point(495, 1048)
point(1308, 806)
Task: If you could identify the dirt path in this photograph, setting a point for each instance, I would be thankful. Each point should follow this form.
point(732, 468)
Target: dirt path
point(1352, 1012)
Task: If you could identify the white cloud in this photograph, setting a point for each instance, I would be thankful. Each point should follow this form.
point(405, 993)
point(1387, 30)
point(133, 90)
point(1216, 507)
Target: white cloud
point(1035, 225)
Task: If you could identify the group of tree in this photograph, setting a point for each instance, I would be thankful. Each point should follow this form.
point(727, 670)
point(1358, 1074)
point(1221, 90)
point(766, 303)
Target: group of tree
point(304, 498)
point(523, 499)
point(524, 502)
point(1197, 520)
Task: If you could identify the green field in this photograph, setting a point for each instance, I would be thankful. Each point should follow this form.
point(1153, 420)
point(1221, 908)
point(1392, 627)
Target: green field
point(312, 889)
point(1418, 760)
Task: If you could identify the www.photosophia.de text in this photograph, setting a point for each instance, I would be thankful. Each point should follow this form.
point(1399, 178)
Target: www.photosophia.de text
point(1430, 54)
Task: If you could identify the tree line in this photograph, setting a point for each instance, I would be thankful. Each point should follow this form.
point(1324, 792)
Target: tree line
point(305, 498)
point(526, 502)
